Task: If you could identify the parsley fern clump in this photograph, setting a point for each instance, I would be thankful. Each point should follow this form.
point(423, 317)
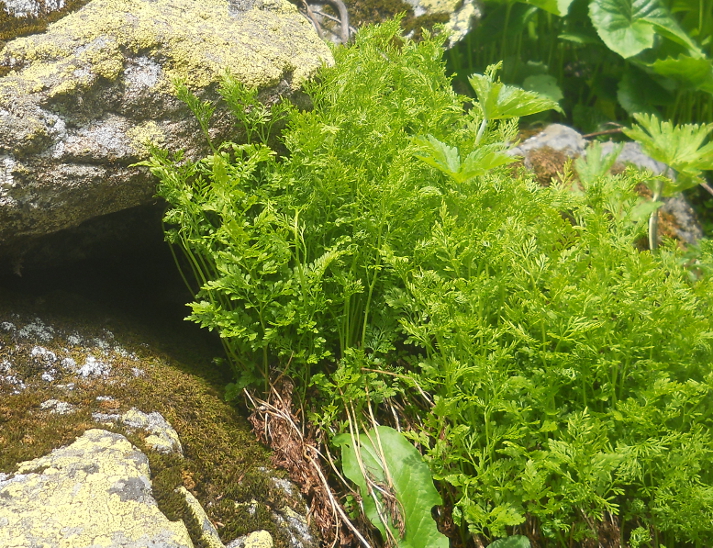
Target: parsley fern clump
point(556, 379)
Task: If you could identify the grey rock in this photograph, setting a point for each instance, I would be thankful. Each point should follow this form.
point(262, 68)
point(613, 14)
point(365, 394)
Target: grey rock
point(565, 139)
point(463, 15)
point(292, 521)
point(256, 539)
point(81, 101)
point(555, 136)
point(687, 227)
point(163, 437)
point(94, 492)
point(57, 407)
point(633, 154)
point(209, 536)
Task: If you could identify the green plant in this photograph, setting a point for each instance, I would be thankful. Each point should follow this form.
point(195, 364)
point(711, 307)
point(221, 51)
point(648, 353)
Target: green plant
point(681, 149)
point(395, 485)
point(399, 271)
point(605, 59)
point(515, 541)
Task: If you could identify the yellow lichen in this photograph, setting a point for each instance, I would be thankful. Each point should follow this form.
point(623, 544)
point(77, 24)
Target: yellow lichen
point(83, 501)
point(259, 539)
point(145, 135)
point(196, 42)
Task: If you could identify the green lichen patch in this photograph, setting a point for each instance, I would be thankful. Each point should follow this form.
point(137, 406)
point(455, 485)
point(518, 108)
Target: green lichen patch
point(223, 463)
point(193, 41)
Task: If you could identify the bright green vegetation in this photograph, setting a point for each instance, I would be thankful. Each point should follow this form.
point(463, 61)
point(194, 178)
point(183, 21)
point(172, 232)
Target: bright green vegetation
point(391, 474)
point(556, 378)
point(606, 59)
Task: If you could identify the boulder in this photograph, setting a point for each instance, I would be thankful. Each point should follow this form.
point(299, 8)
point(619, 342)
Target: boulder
point(80, 102)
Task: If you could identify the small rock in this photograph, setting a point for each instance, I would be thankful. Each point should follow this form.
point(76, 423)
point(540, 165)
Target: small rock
point(94, 368)
point(37, 330)
point(565, 140)
point(257, 539)
point(58, 407)
point(43, 355)
point(462, 15)
point(555, 136)
point(163, 438)
point(209, 536)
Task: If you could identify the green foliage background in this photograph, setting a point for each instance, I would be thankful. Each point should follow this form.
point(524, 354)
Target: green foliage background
point(604, 59)
point(554, 376)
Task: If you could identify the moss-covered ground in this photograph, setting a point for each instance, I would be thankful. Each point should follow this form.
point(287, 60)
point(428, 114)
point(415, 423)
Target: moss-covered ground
point(223, 464)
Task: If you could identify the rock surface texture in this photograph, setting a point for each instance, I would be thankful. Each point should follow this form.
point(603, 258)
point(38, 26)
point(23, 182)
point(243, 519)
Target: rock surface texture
point(462, 15)
point(79, 103)
point(95, 492)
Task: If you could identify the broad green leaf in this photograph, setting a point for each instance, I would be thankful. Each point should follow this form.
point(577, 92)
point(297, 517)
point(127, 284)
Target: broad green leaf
point(628, 27)
point(482, 160)
point(690, 72)
point(545, 85)
point(500, 101)
point(514, 541)
point(681, 147)
point(447, 159)
point(637, 92)
point(412, 485)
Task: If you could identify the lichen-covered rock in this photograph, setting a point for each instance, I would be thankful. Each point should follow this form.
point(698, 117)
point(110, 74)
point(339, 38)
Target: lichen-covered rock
point(79, 103)
point(462, 15)
point(32, 8)
point(95, 492)
point(457, 16)
point(256, 539)
point(209, 536)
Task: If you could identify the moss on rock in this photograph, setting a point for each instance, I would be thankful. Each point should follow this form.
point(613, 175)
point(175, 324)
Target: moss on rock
point(224, 466)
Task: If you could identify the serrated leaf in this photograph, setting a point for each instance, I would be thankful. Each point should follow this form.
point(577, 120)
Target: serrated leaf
point(680, 147)
point(438, 154)
point(447, 159)
point(412, 484)
point(689, 72)
point(500, 101)
point(482, 160)
point(595, 163)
